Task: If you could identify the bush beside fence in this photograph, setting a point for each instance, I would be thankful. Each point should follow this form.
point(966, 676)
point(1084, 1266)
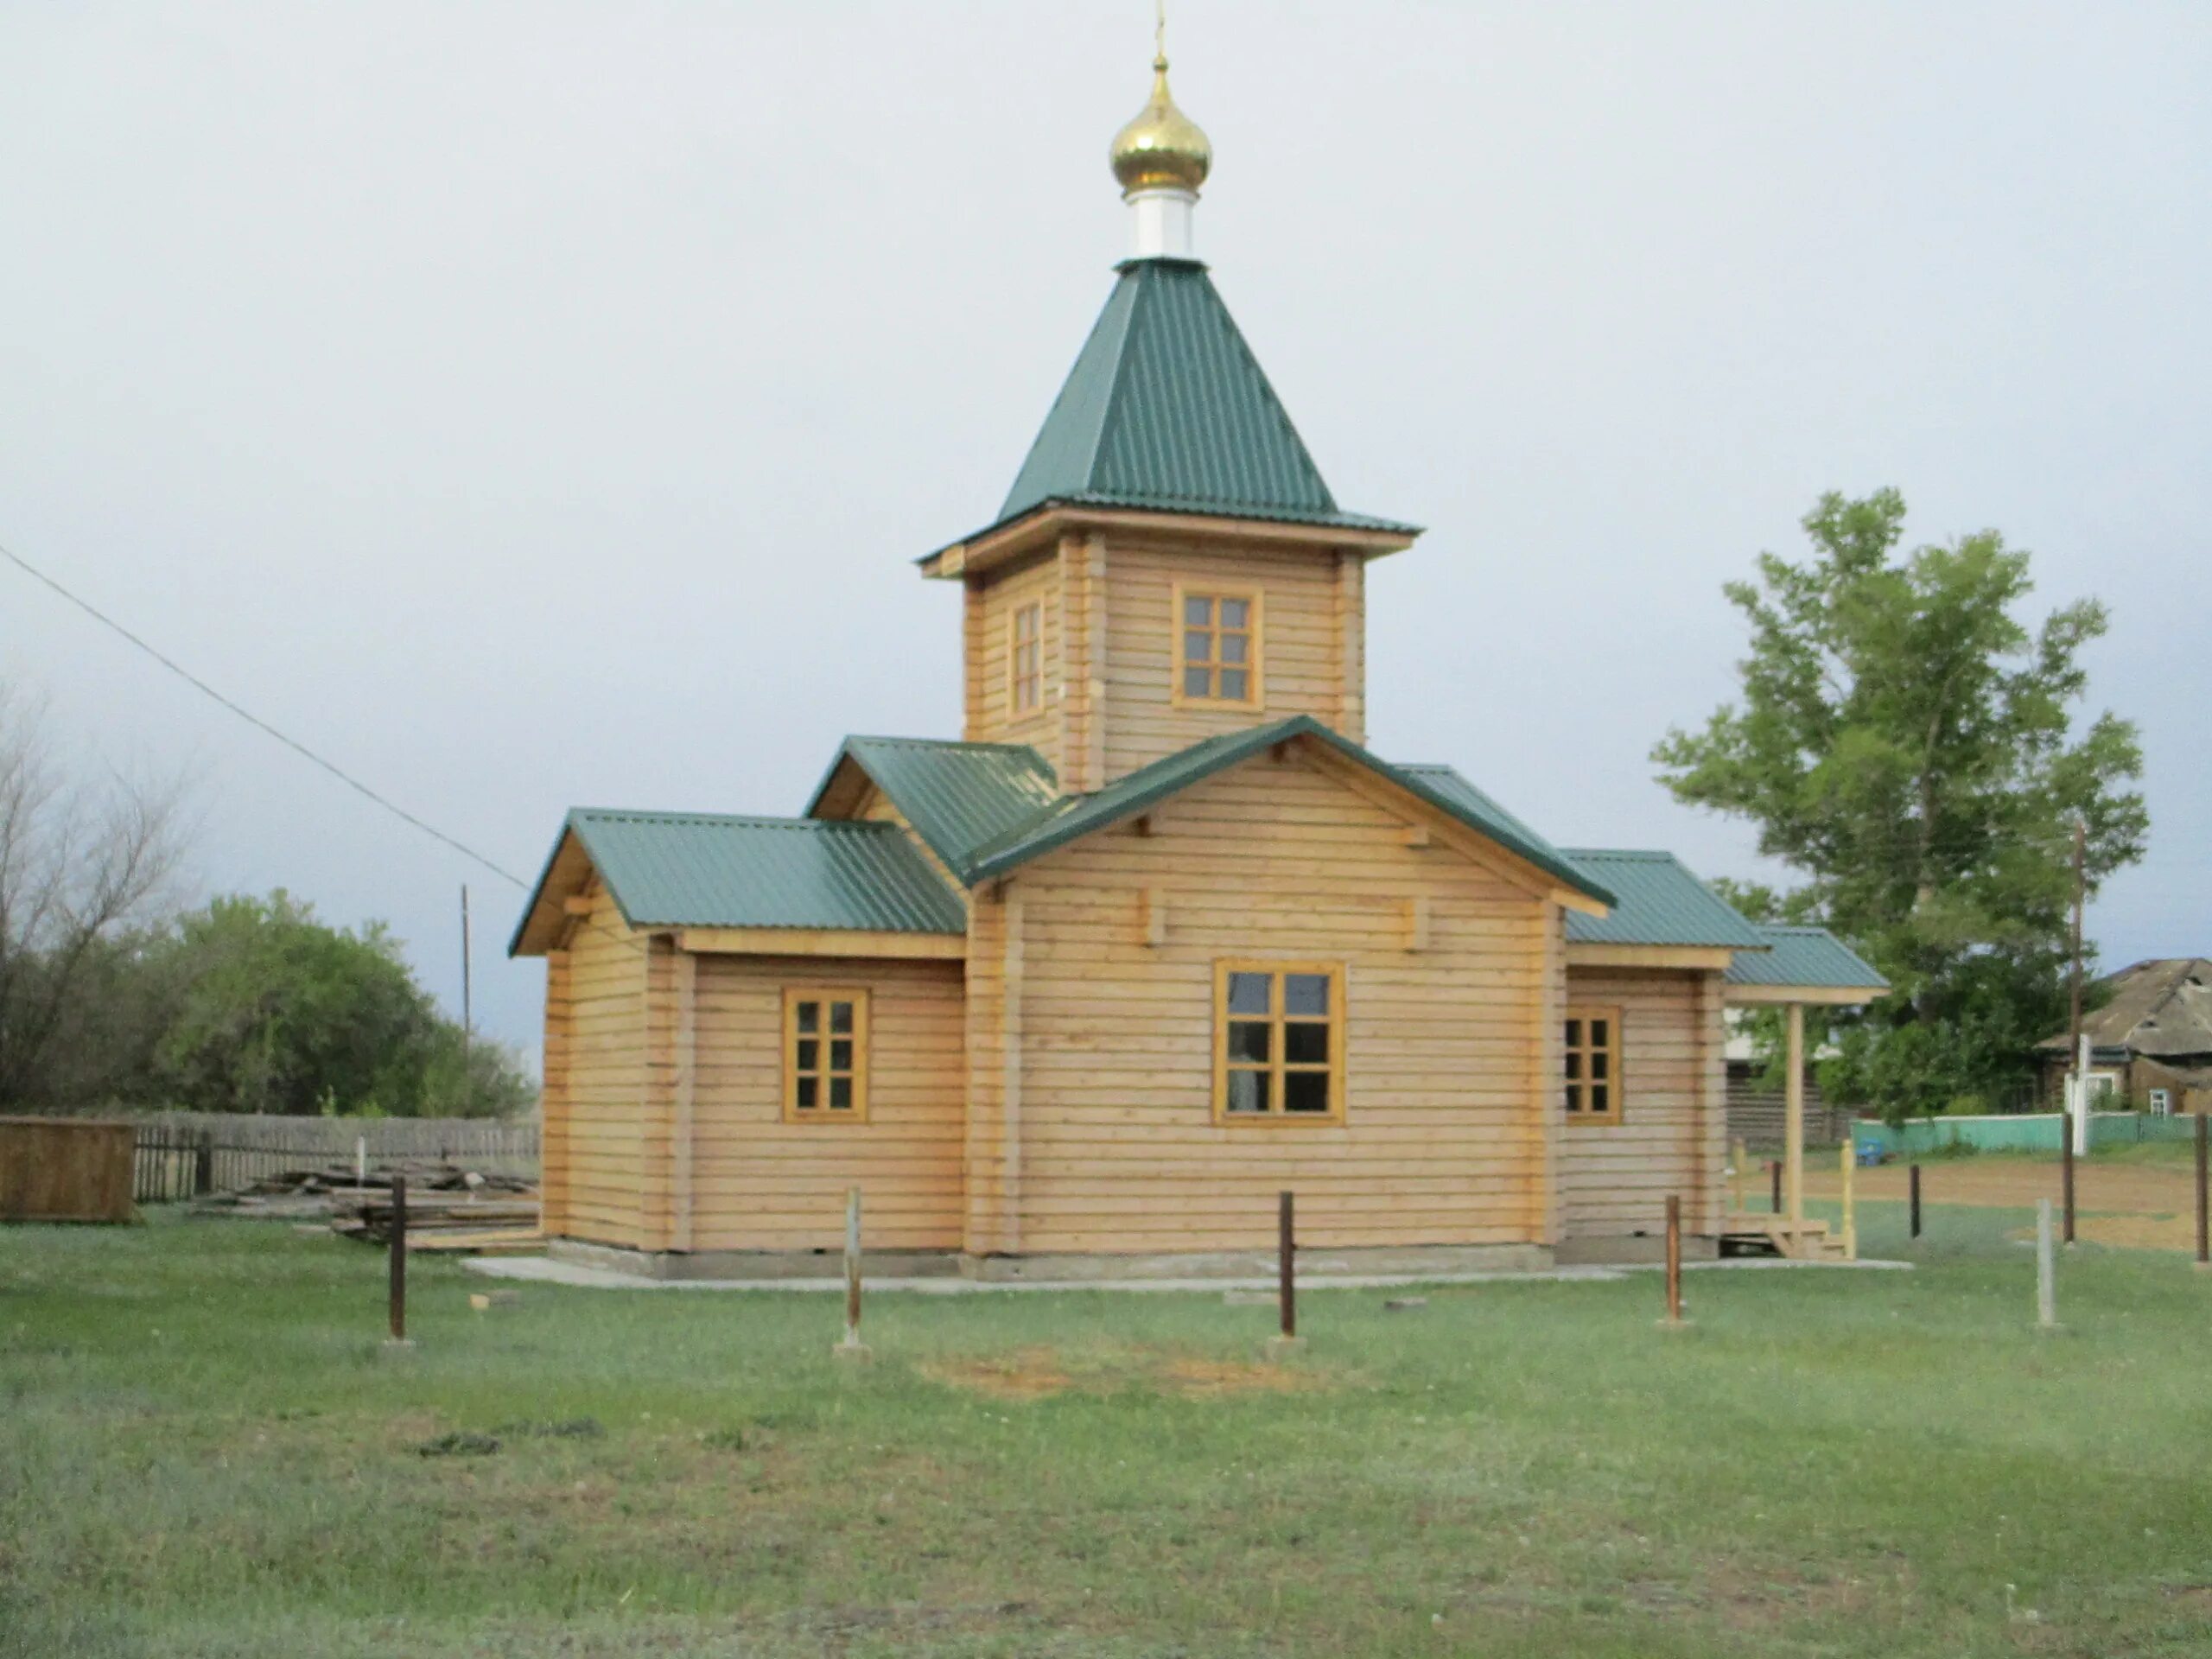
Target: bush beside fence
point(181, 1155)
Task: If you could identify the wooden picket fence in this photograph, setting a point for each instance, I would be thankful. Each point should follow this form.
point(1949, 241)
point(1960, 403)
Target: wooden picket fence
point(186, 1154)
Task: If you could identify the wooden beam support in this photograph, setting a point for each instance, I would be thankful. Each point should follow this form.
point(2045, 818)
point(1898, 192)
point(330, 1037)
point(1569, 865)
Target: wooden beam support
point(576, 904)
point(1839, 996)
point(1417, 922)
point(681, 1136)
point(1695, 958)
point(822, 942)
point(1793, 1130)
point(1416, 835)
point(1155, 917)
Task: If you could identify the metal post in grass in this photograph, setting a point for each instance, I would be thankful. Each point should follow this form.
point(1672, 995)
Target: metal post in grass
point(852, 1347)
point(396, 1289)
point(1774, 1168)
point(1850, 1212)
point(2066, 1171)
point(1737, 1165)
point(1914, 1173)
point(1674, 1262)
point(1286, 1339)
point(2046, 1273)
point(2203, 1196)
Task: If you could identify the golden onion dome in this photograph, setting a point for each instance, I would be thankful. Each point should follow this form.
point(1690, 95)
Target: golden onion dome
point(1163, 149)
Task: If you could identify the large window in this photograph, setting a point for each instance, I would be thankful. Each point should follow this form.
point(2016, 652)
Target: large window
point(1593, 1083)
point(1278, 1042)
point(1217, 646)
point(825, 1055)
point(1024, 658)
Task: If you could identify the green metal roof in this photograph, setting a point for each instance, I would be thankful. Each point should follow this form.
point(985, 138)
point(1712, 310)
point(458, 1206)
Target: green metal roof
point(1166, 408)
point(1079, 815)
point(1477, 804)
point(957, 796)
point(676, 869)
point(1809, 956)
point(1659, 902)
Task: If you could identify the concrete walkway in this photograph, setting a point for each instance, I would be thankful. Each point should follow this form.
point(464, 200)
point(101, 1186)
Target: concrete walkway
point(544, 1270)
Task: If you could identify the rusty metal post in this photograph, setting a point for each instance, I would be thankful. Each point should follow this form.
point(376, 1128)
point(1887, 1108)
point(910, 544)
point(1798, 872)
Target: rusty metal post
point(852, 1347)
point(398, 1286)
point(2203, 1196)
point(1674, 1259)
point(1286, 1269)
point(2066, 1173)
point(1774, 1168)
point(1914, 1173)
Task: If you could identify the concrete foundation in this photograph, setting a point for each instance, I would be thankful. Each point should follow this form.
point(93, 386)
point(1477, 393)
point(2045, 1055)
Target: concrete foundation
point(1626, 1249)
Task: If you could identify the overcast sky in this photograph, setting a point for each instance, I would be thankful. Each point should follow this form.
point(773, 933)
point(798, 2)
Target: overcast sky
point(539, 404)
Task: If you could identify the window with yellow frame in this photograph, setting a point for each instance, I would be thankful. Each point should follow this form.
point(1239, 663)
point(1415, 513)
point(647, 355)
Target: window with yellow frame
point(1218, 648)
point(825, 1055)
point(1278, 1042)
point(1591, 1089)
point(1025, 658)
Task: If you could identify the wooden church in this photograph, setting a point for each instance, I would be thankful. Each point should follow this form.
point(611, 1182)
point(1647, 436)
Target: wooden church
point(1158, 936)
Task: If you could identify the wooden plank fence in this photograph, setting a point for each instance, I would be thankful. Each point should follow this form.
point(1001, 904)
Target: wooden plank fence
point(183, 1154)
point(1756, 1117)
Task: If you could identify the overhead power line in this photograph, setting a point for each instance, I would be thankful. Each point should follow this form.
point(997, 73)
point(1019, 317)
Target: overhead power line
point(256, 720)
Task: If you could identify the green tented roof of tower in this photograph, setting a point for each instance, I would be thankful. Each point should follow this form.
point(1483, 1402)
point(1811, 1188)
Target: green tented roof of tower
point(1167, 409)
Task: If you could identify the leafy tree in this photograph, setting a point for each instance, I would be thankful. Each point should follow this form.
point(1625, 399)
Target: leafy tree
point(278, 1011)
point(1903, 741)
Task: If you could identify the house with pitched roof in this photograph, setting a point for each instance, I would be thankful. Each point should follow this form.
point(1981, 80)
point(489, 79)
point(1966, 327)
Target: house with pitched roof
point(2150, 1039)
point(1157, 937)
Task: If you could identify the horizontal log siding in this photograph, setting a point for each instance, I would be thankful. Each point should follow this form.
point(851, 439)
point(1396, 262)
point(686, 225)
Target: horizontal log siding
point(1302, 611)
point(595, 1141)
point(1448, 1050)
point(996, 596)
point(761, 1184)
point(1615, 1178)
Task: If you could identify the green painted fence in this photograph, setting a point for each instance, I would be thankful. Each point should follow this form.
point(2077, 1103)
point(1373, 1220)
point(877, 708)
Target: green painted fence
point(2035, 1132)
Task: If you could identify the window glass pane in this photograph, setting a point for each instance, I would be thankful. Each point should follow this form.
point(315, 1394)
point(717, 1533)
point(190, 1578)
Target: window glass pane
point(1307, 993)
point(807, 1096)
point(1234, 612)
point(1598, 1065)
point(1597, 1038)
point(1198, 610)
point(1197, 682)
point(841, 1094)
point(841, 1054)
point(1573, 1096)
point(1233, 646)
point(810, 1015)
point(1248, 1091)
point(1197, 647)
point(1574, 1034)
point(1573, 1062)
point(840, 1017)
point(1599, 1095)
point(1232, 685)
point(808, 1056)
point(1248, 1040)
point(1306, 1091)
point(1305, 1044)
point(1248, 993)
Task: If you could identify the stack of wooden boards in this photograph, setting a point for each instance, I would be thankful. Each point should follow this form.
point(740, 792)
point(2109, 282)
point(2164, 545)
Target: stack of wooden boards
point(448, 1208)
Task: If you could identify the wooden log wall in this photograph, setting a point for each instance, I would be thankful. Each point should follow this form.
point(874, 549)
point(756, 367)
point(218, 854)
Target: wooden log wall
point(1452, 1049)
point(598, 1138)
point(1672, 1136)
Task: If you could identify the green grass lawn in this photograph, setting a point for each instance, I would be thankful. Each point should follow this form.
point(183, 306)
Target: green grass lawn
point(204, 1452)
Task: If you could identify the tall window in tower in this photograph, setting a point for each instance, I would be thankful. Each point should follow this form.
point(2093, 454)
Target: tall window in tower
point(1218, 648)
point(1025, 658)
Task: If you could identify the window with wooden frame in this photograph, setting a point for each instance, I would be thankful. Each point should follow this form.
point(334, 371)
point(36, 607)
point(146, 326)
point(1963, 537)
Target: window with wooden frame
point(1218, 648)
point(1025, 658)
point(1278, 1042)
point(1593, 1083)
point(825, 1055)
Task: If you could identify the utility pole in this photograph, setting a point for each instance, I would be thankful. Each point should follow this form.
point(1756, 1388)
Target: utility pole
point(468, 1016)
point(2074, 1129)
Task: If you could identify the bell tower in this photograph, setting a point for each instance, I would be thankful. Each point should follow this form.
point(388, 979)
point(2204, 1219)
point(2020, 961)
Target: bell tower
point(1169, 565)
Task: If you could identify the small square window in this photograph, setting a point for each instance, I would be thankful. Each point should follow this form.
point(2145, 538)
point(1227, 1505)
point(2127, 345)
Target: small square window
point(825, 1055)
point(1278, 1041)
point(1590, 1065)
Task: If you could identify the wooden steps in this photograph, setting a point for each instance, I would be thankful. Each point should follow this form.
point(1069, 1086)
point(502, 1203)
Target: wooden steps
point(1758, 1231)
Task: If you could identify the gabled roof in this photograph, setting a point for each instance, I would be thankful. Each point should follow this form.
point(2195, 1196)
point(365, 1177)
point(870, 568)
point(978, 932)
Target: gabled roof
point(957, 796)
point(676, 869)
point(1078, 816)
point(1804, 958)
point(2162, 1006)
point(1658, 902)
point(1166, 408)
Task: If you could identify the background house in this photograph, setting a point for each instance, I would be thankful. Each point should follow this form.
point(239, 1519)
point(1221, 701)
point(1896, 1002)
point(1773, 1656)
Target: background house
point(2151, 1040)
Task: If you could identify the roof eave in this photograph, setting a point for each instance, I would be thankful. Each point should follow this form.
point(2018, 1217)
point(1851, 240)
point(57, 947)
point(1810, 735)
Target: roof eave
point(1033, 527)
